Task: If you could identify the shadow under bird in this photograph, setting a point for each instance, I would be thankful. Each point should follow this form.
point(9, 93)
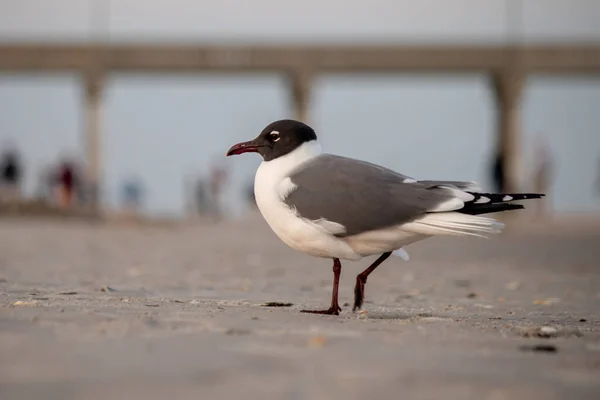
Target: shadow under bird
point(341, 208)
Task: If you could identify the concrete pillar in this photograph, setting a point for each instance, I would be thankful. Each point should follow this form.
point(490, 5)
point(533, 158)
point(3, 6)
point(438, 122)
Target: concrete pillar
point(301, 86)
point(508, 86)
point(92, 140)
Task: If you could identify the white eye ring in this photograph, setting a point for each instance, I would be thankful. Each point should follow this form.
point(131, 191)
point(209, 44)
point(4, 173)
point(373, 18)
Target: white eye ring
point(274, 136)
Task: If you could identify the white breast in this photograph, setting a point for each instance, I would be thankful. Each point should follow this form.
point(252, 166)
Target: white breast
point(272, 185)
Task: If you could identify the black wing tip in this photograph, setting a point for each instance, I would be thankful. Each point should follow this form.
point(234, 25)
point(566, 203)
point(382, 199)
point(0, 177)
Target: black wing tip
point(501, 197)
point(529, 195)
point(491, 208)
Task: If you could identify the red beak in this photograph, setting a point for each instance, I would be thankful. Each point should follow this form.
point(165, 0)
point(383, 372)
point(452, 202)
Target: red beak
point(244, 147)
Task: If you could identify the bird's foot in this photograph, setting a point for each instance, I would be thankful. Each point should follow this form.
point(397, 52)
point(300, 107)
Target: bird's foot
point(333, 310)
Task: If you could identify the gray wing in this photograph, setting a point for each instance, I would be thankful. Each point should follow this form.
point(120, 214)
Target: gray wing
point(359, 195)
point(462, 185)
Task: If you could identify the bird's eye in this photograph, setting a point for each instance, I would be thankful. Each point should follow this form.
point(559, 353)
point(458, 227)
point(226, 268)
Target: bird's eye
point(274, 136)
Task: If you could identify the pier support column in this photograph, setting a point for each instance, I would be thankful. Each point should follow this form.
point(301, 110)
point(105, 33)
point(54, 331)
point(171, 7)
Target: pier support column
point(301, 87)
point(508, 87)
point(93, 82)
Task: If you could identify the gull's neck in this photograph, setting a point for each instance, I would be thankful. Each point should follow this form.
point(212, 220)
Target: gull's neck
point(284, 165)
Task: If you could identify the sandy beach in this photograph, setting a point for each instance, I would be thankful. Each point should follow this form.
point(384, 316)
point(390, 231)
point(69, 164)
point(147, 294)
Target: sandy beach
point(99, 310)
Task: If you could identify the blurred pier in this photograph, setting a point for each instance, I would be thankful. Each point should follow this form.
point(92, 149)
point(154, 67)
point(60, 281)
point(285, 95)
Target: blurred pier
point(507, 67)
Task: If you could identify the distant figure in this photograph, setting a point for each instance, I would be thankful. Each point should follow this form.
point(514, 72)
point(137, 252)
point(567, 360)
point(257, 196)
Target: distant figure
point(44, 183)
point(598, 178)
point(201, 200)
point(68, 180)
point(250, 197)
point(10, 185)
point(218, 180)
point(132, 192)
point(498, 173)
point(542, 172)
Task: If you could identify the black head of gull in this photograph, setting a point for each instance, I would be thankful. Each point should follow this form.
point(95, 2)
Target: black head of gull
point(277, 139)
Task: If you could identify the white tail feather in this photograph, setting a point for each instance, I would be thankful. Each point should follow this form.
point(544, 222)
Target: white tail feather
point(402, 254)
point(454, 224)
point(462, 195)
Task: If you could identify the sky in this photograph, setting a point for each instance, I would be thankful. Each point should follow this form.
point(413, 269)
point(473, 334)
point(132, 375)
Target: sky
point(168, 127)
point(308, 20)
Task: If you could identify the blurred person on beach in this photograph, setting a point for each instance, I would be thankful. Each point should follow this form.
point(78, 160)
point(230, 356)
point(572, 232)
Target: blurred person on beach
point(218, 179)
point(542, 173)
point(132, 195)
point(250, 197)
point(44, 183)
point(68, 181)
point(11, 169)
point(201, 200)
point(598, 178)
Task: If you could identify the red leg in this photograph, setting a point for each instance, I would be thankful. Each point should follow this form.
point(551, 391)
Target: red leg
point(335, 308)
point(361, 279)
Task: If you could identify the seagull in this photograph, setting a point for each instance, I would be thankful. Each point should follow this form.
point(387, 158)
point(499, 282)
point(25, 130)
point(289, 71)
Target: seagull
point(340, 208)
